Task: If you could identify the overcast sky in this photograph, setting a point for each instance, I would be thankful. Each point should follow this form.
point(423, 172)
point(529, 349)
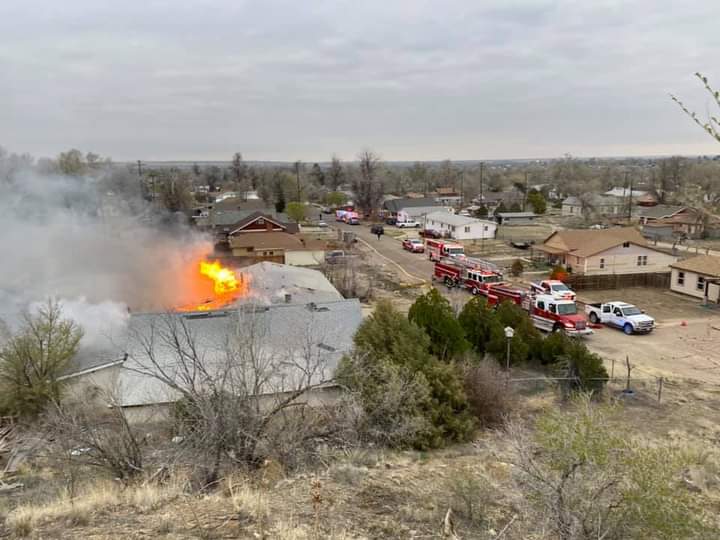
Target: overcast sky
point(302, 79)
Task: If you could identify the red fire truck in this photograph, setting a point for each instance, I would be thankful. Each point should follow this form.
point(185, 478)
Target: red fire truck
point(547, 313)
point(467, 273)
point(437, 249)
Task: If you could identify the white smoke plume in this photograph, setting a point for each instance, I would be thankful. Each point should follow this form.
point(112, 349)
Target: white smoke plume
point(69, 239)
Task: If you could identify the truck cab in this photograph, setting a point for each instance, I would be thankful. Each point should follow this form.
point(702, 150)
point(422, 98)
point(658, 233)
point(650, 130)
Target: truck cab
point(554, 287)
point(627, 317)
point(553, 315)
point(437, 249)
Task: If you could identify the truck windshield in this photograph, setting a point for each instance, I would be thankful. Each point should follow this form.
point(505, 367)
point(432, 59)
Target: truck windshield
point(559, 287)
point(567, 309)
point(632, 310)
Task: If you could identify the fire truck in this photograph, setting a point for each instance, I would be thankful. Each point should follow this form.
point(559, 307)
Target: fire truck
point(437, 249)
point(466, 272)
point(546, 312)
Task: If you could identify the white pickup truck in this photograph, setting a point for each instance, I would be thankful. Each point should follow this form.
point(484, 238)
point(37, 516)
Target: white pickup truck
point(627, 317)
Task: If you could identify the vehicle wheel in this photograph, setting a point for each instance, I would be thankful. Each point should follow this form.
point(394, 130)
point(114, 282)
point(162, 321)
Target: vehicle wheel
point(448, 282)
point(475, 291)
point(556, 328)
point(594, 318)
point(628, 329)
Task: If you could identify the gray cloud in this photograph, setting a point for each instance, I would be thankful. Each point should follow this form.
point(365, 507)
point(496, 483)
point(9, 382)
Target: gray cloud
point(413, 79)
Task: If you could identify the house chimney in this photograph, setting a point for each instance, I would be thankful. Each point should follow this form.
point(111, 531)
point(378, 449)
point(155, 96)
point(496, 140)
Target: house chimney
point(288, 298)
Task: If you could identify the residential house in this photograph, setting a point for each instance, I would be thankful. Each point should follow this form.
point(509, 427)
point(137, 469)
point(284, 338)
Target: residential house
point(460, 227)
point(277, 246)
point(492, 199)
point(697, 276)
point(516, 218)
point(667, 222)
point(618, 250)
point(446, 196)
point(598, 204)
point(625, 192)
point(647, 200)
point(296, 344)
point(404, 209)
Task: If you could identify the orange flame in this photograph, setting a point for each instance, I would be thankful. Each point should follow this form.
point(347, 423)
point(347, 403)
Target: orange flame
point(224, 279)
point(227, 286)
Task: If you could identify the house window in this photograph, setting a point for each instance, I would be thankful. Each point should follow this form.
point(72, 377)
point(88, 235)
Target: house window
point(453, 228)
point(681, 278)
point(642, 260)
point(700, 286)
point(602, 263)
point(467, 229)
point(626, 244)
point(261, 221)
point(485, 228)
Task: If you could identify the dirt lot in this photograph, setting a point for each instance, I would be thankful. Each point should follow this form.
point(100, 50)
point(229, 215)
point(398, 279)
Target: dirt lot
point(685, 344)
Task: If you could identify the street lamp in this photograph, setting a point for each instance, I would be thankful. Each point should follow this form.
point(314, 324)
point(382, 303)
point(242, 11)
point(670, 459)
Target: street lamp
point(509, 333)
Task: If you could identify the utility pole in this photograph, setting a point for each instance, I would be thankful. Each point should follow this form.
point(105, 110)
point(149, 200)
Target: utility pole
point(526, 191)
point(482, 198)
point(297, 176)
point(139, 163)
point(629, 198)
point(462, 187)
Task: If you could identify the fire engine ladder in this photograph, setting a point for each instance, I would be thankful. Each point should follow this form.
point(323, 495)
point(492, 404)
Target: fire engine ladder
point(480, 264)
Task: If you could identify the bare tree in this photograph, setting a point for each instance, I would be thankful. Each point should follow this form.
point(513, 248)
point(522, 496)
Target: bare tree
point(86, 433)
point(335, 173)
point(240, 174)
point(367, 186)
point(233, 393)
point(712, 124)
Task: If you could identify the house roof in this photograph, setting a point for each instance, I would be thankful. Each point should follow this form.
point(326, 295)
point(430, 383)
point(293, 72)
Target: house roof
point(454, 219)
point(702, 264)
point(288, 337)
point(395, 205)
point(624, 192)
point(506, 215)
point(270, 282)
point(660, 211)
point(275, 240)
point(497, 196)
point(254, 217)
point(228, 218)
point(592, 200)
point(587, 242)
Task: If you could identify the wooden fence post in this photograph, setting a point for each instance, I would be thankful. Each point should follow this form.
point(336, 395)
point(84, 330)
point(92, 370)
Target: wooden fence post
point(660, 387)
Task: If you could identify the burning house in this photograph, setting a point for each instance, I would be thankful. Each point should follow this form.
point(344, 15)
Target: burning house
point(280, 326)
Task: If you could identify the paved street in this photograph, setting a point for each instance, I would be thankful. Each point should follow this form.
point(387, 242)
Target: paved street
point(416, 265)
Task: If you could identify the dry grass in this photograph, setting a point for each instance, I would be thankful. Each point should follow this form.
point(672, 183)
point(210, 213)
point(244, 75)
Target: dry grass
point(103, 495)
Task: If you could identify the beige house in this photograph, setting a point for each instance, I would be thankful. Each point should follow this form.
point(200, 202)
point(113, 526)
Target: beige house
point(698, 276)
point(605, 251)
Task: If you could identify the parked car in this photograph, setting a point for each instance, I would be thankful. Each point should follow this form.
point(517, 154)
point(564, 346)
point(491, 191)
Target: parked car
point(322, 224)
point(353, 221)
point(627, 317)
point(391, 221)
point(377, 229)
point(335, 256)
point(409, 224)
point(413, 244)
point(430, 233)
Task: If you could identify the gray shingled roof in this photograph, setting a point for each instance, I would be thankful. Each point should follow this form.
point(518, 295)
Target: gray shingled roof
point(453, 219)
point(270, 282)
point(395, 205)
point(659, 211)
point(286, 334)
